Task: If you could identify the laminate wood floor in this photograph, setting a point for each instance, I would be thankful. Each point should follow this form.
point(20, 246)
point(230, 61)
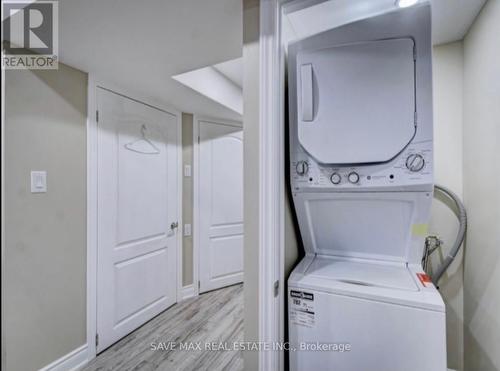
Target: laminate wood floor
point(216, 316)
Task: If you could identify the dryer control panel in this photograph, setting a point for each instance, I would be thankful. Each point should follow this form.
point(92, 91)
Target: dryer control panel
point(414, 166)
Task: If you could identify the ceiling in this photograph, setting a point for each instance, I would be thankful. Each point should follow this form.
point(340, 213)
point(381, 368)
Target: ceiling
point(451, 19)
point(233, 70)
point(139, 45)
point(220, 82)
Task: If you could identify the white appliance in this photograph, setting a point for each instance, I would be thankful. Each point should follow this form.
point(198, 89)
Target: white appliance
point(362, 182)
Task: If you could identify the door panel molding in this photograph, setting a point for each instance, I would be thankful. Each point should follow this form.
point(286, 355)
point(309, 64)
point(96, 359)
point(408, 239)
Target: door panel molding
point(94, 82)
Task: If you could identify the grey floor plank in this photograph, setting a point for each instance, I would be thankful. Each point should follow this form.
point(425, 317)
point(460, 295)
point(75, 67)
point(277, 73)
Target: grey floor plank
point(216, 316)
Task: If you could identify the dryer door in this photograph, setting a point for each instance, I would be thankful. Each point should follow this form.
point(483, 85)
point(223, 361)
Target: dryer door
point(356, 102)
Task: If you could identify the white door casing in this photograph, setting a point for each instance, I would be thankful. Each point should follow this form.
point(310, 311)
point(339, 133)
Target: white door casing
point(220, 203)
point(137, 202)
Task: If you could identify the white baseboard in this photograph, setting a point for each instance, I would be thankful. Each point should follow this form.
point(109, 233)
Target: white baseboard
point(74, 360)
point(187, 292)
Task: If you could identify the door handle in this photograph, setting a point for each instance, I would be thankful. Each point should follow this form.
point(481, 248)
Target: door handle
point(174, 225)
point(306, 82)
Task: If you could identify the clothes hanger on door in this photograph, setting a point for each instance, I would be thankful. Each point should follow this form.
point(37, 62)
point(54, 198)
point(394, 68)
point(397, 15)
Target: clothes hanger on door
point(154, 149)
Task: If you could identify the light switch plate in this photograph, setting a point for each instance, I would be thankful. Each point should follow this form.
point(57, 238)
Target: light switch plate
point(187, 230)
point(38, 181)
point(187, 170)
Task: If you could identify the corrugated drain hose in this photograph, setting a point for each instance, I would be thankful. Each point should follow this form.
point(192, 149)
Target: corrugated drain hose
point(462, 219)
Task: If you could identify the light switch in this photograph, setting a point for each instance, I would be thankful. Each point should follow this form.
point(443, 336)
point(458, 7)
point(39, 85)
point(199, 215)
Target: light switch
point(187, 170)
point(187, 230)
point(38, 181)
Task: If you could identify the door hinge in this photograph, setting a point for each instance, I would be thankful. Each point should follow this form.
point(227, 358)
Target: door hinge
point(97, 116)
point(276, 288)
point(198, 139)
point(96, 340)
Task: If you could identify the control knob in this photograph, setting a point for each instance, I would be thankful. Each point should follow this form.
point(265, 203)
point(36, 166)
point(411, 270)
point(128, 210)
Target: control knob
point(335, 178)
point(302, 168)
point(353, 177)
point(415, 162)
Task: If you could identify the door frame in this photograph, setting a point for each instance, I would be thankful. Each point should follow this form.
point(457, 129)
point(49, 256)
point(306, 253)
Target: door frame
point(92, 208)
point(196, 191)
point(271, 246)
point(272, 306)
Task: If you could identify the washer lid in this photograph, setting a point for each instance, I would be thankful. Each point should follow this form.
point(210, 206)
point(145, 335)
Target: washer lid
point(373, 274)
point(356, 102)
point(316, 274)
point(383, 226)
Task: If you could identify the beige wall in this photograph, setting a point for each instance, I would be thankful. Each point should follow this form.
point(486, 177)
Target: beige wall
point(45, 233)
point(482, 190)
point(187, 199)
point(251, 155)
point(448, 137)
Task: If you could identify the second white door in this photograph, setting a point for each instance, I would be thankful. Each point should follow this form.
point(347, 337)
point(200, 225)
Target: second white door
point(220, 196)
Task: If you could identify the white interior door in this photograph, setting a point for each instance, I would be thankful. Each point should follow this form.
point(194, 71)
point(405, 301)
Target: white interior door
point(137, 202)
point(220, 205)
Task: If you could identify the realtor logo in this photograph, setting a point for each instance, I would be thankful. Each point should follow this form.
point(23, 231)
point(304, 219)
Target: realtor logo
point(30, 34)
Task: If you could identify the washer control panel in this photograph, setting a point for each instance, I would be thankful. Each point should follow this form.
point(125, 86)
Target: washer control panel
point(412, 166)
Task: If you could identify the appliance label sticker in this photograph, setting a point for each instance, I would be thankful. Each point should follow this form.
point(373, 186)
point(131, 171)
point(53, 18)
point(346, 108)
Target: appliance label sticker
point(302, 308)
point(419, 230)
point(425, 279)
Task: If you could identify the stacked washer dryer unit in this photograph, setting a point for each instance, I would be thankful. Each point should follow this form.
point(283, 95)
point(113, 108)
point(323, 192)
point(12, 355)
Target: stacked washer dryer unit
point(361, 158)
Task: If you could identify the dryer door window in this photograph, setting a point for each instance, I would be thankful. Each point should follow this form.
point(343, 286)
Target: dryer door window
point(356, 102)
